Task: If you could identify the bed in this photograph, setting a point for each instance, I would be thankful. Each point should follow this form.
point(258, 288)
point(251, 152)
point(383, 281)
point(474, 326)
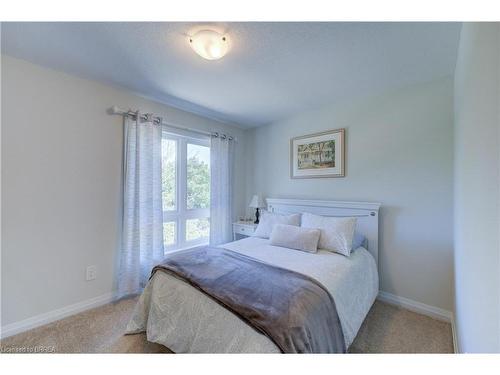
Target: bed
point(182, 318)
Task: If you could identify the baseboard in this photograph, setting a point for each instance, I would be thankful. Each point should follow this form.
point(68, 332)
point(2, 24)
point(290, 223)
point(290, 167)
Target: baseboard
point(456, 348)
point(418, 307)
point(52, 316)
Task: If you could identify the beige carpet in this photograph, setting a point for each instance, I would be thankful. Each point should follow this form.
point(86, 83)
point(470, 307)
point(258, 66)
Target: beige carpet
point(387, 329)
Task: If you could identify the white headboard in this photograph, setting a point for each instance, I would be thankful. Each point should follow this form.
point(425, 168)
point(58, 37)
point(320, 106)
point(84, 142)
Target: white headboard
point(367, 214)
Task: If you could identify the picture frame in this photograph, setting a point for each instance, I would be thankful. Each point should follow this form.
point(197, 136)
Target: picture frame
point(318, 155)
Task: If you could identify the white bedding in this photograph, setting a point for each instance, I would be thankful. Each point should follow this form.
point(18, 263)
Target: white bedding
point(185, 320)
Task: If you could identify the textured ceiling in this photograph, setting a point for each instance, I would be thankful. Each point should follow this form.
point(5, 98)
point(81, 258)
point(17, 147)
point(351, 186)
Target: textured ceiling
point(272, 71)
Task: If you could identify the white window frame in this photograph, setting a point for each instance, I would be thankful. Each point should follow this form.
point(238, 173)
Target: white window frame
point(181, 213)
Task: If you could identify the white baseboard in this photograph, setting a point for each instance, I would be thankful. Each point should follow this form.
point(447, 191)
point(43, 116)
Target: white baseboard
point(456, 348)
point(52, 316)
point(418, 307)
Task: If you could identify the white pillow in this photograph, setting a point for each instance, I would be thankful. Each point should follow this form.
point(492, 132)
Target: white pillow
point(268, 220)
point(293, 237)
point(336, 232)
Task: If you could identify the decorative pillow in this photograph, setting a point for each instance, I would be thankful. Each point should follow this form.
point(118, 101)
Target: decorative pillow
point(358, 240)
point(268, 220)
point(293, 237)
point(336, 232)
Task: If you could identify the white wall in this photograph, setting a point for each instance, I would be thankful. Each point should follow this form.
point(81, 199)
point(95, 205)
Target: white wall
point(400, 153)
point(477, 194)
point(61, 185)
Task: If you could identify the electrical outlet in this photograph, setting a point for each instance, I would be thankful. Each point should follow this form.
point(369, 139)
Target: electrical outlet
point(91, 273)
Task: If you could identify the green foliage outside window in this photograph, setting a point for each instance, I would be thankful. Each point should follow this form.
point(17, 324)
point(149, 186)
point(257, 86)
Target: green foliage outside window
point(198, 183)
point(197, 189)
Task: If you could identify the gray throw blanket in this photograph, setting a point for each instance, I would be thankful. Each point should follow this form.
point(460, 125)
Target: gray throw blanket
point(293, 310)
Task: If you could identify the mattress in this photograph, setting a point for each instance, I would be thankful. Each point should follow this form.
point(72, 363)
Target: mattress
point(185, 320)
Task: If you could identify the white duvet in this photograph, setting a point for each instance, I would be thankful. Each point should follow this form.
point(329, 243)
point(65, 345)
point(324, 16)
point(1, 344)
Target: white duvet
point(185, 320)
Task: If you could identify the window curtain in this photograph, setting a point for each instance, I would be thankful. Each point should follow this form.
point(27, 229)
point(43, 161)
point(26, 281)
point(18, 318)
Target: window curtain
point(142, 241)
point(221, 165)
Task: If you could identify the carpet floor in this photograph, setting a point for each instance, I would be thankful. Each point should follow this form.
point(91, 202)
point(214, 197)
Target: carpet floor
point(387, 329)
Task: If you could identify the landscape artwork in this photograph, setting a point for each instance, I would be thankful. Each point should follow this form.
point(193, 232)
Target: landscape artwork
point(318, 155)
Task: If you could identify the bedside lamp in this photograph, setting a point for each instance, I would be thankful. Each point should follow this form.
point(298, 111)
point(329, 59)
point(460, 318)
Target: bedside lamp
point(256, 203)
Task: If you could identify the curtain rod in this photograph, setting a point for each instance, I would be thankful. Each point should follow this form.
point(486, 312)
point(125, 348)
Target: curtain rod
point(115, 110)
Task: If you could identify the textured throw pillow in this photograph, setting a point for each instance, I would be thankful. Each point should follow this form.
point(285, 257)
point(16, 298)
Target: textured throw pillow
point(268, 220)
point(336, 232)
point(293, 237)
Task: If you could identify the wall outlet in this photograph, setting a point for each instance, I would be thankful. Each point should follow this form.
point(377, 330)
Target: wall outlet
point(91, 273)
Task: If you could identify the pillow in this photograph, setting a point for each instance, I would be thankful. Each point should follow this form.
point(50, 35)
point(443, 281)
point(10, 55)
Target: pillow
point(268, 220)
point(336, 232)
point(294, 237)
point(358, 240)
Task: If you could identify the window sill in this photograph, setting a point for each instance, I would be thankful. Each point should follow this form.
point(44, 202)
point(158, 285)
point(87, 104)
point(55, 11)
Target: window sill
point(167, 252)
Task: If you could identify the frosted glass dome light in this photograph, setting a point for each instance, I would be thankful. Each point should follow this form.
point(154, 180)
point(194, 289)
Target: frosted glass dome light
point(209, 44)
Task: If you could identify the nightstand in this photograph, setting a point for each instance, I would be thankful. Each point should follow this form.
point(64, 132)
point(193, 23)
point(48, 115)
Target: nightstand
point(243, 229)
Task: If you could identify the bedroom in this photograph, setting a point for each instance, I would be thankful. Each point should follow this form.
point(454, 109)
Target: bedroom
point(353, 164)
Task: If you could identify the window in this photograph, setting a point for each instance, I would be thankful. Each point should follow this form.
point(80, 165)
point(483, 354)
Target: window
point(185, 191)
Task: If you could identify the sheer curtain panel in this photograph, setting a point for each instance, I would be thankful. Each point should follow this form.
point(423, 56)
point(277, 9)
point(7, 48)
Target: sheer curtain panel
point(142, 238)
point(221, 159)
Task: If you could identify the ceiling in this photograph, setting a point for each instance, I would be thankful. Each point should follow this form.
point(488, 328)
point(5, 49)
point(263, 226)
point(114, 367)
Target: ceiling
point(273, 70)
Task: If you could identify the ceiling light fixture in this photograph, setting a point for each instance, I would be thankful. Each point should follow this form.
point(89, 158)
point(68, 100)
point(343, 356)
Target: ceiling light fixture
point(209, 44)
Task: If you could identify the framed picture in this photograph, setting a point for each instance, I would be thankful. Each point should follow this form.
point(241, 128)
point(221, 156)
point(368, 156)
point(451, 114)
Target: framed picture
point(318, 155)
